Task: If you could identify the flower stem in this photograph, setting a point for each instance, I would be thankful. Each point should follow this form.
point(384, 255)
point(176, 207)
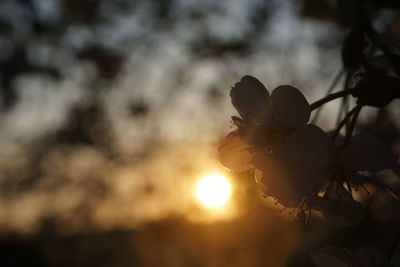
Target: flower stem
point(343, 110)
point(330, 97)
point(344, 121)
point(330, 89)
point(352, 124)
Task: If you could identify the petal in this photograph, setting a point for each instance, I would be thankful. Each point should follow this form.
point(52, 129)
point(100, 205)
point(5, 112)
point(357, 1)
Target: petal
point(258, 176)
point(278, 180)
point(251, 99)
point(340, 212)
point(367, 153)
point(274, 180)
point(310, 149)
point(289, 106)
point(239, 122)
point(234, 153)
point(255, 136)
point(359, 180)
point(279, 187)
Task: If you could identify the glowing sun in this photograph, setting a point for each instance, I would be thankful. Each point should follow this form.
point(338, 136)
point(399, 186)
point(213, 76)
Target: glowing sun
point(213, 190)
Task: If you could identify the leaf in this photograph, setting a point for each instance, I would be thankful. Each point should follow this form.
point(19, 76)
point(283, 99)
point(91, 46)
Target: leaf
point(289, 106)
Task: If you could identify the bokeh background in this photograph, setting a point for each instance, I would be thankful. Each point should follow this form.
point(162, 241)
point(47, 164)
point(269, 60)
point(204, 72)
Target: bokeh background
point(111, 110)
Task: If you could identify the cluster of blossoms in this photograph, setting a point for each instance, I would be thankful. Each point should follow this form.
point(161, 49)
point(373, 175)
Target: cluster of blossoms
point(296, 162)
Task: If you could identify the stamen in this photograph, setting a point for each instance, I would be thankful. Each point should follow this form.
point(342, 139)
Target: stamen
point(282, 210)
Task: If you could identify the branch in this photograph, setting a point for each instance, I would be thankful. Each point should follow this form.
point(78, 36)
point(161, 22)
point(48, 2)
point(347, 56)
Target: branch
point(330, 97)
point(330, 89)
point(344, 121)
point(353, 121)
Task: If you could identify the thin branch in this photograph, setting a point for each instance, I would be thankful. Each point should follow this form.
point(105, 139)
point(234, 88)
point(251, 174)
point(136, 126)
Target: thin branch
point(342, 110)
point(352, 124)
point(330, 89)
point(330, 97)
point(344, 121)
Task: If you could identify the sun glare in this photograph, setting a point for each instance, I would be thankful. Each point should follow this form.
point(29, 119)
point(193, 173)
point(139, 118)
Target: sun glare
point(213, 190)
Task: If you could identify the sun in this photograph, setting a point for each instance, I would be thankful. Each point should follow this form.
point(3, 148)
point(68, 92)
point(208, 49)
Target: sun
point(213, 190)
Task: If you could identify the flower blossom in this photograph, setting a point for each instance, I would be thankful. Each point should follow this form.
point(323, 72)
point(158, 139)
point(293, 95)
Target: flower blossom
point(264, 122)
point(288, 155)
point(297, 163)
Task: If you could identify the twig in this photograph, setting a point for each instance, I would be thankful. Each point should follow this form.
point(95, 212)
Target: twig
point(330, 89)
point(342, 110)
point(330, 97)
point(344, 121)
point(352, 124)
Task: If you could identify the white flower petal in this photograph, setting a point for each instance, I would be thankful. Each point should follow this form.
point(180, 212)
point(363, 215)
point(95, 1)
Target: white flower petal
point(274, 180)
point(310, 149)
point(279, 180)
point(340, 212)
point(251, 99)
point(359, 180)
point(284, 193)
point(289, 106)
point(234, 153)
point(255, 136)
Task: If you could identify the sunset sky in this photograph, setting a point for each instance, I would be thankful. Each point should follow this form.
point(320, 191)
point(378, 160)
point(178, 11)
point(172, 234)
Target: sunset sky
point(117, 141)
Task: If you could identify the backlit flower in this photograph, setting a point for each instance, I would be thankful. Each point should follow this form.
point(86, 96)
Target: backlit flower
point(296, 169)
point(296, 163)
point(289, 156)
point(265, 120)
